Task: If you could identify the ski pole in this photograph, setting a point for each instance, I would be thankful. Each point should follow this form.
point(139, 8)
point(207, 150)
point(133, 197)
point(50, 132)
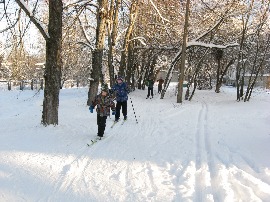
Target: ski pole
point(133, 109)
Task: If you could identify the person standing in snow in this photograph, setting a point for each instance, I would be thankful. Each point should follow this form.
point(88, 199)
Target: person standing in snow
point(160, 82)
point(103, 103)
point(121, 92)
point(150, 83)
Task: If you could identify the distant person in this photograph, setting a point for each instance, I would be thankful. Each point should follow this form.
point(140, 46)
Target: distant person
point(150, 83)
point(121, 92)
point(160, 83)
point(104, 103)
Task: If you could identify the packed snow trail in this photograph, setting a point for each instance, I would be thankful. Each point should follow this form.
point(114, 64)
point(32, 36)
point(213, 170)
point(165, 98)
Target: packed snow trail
point(193, 151)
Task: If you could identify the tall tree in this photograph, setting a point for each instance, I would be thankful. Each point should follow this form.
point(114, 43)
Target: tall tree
point(257, 66)
point(53, 58)
point(53, 64)
point(183, 56)
point(96, 74)
point(240, 64)
point(132, 19)
point(221, 68)
point(112, 34)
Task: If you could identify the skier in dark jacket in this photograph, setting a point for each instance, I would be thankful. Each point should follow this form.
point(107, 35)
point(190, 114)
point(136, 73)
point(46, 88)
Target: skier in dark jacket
point(104, 103)
point(160, 82)
point(150, 83)
point(121, 92)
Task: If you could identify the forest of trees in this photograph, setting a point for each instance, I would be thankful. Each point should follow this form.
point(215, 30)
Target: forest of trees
point(91, 41)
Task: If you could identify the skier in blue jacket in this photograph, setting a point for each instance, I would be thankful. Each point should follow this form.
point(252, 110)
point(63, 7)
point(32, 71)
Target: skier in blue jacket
point(121, 92)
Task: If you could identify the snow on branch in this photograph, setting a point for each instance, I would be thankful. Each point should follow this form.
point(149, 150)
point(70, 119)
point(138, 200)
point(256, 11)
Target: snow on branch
point(140, 39)
point(88, 44)
point(210, 45)
point(210, 30)
point(37, 23)
point(158, 11)
point(80, 2)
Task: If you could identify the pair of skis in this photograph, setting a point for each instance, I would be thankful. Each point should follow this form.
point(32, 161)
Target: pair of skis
point(99, 139)
point(115, 122)
point(95, 141)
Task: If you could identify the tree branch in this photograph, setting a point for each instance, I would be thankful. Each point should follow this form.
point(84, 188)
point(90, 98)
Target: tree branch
point(33, 19)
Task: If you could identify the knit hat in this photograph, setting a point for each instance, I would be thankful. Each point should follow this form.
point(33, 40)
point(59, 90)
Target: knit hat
point(120, 78)
point(104, 87)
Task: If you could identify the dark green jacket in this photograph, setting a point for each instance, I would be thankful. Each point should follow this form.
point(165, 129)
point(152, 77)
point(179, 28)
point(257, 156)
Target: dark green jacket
point(150, 83)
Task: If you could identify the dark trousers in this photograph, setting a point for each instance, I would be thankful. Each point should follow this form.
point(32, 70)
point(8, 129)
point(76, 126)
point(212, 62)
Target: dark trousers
point(101, 122)
point(159, 88)
point(150, 90)
point(118, 107)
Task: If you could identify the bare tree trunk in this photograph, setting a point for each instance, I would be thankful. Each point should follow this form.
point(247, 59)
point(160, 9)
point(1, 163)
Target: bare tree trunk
point(53, 64)
point(194, 87)
point(218, 84)
point(141, 73)
point(96, 73)
point(9, 85)
point(239, 81)
point(129, 63)
point(169, 75)
point(221, 73)
point(132, 19)
point(257, 71)
point(252, 71)
point(242, 82)
point(113, 28)
point(194, 77)
point(183, 56)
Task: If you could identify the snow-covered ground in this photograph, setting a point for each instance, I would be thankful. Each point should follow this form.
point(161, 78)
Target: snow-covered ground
point(210, 149)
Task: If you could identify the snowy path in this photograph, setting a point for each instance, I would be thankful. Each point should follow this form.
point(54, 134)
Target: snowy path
point(198, 151)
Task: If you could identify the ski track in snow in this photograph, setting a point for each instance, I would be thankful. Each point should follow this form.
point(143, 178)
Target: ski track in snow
point(132, 163)
point(205, 165)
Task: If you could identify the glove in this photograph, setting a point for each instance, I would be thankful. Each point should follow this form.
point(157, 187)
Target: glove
point(113, 112)
point(110, 91)
point(91, 109)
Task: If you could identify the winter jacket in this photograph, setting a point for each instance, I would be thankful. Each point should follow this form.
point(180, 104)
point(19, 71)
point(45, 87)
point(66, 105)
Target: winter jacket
point(121, 91)
point(150, 83)
point(160, 82)
point(103, 103)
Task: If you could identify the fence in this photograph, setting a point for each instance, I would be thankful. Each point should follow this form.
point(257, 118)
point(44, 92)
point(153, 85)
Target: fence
point(39, 84)
point(32, 84)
